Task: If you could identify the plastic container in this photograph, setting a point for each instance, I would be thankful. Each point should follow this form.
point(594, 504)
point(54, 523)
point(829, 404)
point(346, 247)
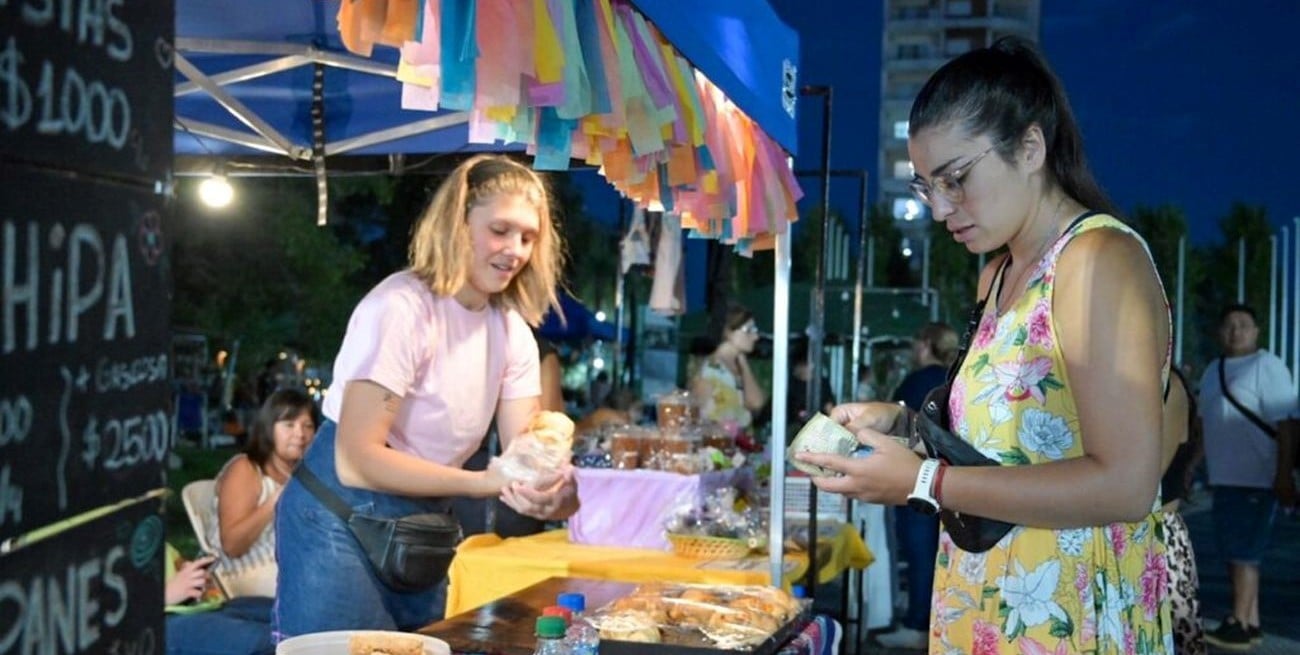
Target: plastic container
point(583, 638)
point(675, 410)
point(625, 447)
point(550, 636)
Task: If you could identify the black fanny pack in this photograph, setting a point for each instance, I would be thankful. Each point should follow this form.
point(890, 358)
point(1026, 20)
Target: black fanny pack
point(973, 534)
point(407, 554)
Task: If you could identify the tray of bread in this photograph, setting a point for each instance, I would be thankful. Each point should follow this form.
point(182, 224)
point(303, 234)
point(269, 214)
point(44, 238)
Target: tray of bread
point(658, 618)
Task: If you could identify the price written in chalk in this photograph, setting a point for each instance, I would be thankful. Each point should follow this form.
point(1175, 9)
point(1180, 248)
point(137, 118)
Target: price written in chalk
point(64, 101)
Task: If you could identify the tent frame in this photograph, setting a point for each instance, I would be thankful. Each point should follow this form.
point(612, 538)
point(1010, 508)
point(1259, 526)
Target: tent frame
point(264, 137)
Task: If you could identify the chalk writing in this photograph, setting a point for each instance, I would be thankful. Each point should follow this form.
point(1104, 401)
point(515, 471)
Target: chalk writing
point(121, 376)
point(61, 613)
point(89, 588)
point(90, 274)
point(94, 23)
point(15, 420)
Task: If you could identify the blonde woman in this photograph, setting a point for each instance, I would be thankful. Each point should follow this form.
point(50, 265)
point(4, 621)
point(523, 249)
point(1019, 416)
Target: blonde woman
point(432, 355)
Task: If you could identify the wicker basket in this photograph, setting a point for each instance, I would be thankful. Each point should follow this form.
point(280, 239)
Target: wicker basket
point(708, 547)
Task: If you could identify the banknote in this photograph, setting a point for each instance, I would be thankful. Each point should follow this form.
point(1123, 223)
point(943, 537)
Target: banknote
point(821, 435)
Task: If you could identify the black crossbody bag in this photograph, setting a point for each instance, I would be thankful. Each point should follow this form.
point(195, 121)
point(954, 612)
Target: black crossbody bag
point(932, 427)
point(407, 554)
point(1251, 416)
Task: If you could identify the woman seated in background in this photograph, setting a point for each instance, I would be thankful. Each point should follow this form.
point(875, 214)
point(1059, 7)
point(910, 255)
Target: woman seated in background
point(248, 486)
point(724, 386)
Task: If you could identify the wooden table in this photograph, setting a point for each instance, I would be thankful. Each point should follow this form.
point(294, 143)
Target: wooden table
point(506, 625)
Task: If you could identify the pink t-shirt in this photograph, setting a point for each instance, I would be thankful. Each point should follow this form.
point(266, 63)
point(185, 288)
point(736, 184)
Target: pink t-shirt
point(450, 364)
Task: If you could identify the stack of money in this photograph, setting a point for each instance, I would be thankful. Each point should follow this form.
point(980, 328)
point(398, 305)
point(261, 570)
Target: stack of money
point(821, 435)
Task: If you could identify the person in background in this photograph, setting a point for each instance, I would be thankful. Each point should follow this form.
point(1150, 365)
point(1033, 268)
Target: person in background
point(1248, 472)
point(797, 392)
point(239, 626)
point(431, 357)
point(1061, 387)
point(865, 391)
point(249, 485)
point(552, 375)
point(934, 347)
point(724, 385)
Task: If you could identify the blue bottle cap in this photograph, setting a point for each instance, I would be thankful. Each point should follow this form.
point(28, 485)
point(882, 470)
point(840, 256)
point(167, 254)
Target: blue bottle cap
point(798, 591)
point(573, 601)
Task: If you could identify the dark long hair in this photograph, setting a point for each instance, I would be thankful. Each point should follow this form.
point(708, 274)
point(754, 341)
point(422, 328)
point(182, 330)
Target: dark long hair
point(1001, 90)
point(281, 405)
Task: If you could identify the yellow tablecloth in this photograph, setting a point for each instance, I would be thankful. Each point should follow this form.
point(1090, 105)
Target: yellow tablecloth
point(487, 567)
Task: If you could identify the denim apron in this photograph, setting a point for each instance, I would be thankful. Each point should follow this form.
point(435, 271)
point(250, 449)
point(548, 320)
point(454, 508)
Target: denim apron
point(325, 581)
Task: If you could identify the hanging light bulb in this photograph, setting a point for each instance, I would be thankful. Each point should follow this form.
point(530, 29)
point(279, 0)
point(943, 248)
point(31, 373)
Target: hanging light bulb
point(215, 191)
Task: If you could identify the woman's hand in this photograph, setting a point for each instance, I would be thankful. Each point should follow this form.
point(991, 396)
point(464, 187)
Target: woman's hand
point(549, 498)
point(189, 582)
point(884, 476)
point(876, 416)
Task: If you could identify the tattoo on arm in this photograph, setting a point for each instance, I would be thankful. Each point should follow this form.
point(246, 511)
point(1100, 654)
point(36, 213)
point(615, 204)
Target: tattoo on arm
point(392, 402)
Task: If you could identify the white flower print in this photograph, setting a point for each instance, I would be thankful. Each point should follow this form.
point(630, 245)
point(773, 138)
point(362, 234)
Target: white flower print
point(1116, 600)
point(985, 443)
point(971, 567)
point(1045, 433)
point(1000, 410)
point(1071, 542)
point(1029, 596)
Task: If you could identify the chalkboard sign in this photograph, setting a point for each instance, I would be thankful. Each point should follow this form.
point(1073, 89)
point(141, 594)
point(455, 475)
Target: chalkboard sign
point(94, 588)
point(85, 414)
point(87, 86)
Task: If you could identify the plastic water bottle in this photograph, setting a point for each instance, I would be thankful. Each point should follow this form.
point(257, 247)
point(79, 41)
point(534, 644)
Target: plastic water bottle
point(583, 638)
point(550, 636)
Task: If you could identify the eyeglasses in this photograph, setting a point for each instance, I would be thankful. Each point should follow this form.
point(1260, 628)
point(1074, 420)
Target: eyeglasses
point(948, 184)
point(749, 328)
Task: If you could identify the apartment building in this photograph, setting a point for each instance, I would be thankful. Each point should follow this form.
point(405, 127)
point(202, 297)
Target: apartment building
point(919, 36)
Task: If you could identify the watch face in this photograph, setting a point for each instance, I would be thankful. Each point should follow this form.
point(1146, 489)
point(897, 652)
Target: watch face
point(922, 506)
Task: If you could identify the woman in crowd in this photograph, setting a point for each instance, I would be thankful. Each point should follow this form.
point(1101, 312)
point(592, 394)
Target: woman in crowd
point(1062, 384)
point(431, 356)
point(248, 487)
point(725, 386)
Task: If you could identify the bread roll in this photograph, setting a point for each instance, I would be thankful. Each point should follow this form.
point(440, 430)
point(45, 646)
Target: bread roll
point(378, 643)
point(552, 429)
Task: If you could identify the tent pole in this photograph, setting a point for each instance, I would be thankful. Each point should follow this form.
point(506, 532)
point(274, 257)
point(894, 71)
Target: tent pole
point(863, 229)
point(780, 379)
point(817, 317)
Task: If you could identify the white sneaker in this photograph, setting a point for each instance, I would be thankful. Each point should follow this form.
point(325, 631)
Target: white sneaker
point(903, 638)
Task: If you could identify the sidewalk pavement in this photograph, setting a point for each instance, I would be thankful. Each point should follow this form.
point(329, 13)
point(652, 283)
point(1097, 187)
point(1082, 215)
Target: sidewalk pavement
point(1279, 597)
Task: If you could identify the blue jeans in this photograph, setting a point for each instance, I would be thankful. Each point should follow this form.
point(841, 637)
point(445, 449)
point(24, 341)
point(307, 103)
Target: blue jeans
point(918, 543)
point(325, 581)
point(242, 626)
point(1243, 520)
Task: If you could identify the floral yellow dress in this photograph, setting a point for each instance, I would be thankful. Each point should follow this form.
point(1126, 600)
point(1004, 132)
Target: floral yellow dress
point(1097, 590)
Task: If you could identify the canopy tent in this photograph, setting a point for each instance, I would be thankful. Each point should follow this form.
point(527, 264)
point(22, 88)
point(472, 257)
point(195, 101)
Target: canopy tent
point(257, 77)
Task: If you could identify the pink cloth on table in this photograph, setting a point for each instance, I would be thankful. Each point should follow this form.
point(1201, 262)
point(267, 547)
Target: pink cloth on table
point(628, 508)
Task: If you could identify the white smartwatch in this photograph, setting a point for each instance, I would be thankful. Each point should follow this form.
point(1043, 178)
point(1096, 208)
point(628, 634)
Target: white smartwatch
point(922, 497)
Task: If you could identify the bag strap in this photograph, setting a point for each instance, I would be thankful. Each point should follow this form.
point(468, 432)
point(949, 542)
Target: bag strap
point(1252, 416)
point(973, 323)
point(331, 500)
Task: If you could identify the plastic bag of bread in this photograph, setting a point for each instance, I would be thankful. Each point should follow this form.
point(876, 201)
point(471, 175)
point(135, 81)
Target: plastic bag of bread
point(728, 616)
point(540, 451)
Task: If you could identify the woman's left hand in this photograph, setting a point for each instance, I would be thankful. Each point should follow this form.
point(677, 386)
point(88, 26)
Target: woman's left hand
point(550, 498)
point(884, 476)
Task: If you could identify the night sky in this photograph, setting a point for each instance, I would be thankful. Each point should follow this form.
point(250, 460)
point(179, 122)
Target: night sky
point(1195, 104)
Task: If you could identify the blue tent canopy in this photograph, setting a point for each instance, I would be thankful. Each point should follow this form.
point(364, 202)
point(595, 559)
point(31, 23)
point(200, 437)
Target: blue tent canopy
point(244, 83)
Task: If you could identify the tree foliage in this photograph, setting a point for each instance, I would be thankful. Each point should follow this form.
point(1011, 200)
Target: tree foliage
point(261, 271)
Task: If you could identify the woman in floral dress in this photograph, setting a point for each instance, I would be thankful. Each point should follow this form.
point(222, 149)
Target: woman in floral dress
point(724, 385)
point(1062, 384)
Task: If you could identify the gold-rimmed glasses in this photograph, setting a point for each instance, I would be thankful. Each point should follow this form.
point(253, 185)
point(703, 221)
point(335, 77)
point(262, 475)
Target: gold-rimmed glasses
point(947, 184)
